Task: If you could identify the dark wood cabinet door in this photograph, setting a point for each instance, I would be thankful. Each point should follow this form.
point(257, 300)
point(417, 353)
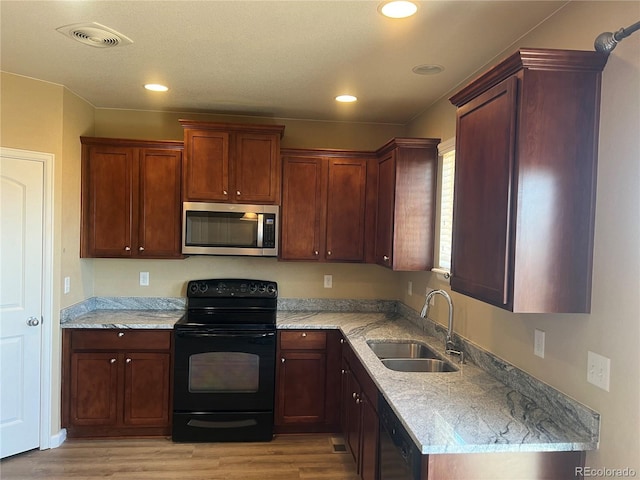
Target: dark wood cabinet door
point(483, 185)
point(256, 168)
point(302, 209)
point(369, 444)
point(93, 389)
point(301, 388)
point(346, 203)
point(160, 212)
point(206, 176)
point(108, 201)
point(146, 388)
point(385, 211)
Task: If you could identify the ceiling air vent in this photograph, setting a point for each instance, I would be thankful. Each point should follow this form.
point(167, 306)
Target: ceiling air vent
point(94, 35)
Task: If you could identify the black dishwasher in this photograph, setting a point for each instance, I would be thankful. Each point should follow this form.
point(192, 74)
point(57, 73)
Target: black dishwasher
point(399, 457)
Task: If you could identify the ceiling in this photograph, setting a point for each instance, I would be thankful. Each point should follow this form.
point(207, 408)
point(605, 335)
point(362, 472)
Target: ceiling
point(285, 59)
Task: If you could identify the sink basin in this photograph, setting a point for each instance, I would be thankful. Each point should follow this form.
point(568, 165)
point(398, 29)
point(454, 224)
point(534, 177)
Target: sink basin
point(402, 349)
point(418, 365)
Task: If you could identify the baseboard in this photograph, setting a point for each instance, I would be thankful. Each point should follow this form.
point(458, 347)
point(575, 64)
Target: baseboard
point(58, 439)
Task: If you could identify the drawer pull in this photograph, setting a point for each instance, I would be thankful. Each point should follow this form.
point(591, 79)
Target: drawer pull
point(121, 334)
point(304, 334)
point(113, 360)
point(128, 360)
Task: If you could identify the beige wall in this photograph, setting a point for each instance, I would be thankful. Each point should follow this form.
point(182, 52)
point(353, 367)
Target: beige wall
point(613, 327)
point(44, 117)
point(297, 134)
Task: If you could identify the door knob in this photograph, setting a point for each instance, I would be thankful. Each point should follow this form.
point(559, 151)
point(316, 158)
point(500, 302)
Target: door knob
point(33, 321)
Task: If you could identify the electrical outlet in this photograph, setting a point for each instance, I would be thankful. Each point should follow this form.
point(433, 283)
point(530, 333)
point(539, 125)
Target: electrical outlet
point(538, 343)
point(144, 279)
point(67, 284)
point(598, 370)
point(328, 281)
point(410, 288)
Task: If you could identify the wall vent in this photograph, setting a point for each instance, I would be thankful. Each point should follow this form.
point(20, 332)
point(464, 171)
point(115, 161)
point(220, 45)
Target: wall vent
point(94, 35)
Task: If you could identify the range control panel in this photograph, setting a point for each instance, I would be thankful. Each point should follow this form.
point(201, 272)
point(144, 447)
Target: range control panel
point(232, 287)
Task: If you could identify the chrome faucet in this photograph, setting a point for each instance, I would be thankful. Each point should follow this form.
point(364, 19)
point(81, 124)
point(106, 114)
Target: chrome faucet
point(450, 346)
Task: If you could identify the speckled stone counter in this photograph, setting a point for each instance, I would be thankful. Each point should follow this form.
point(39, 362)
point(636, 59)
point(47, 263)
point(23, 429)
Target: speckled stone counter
point(486, 406)
point(134, 319)
point(466, 411)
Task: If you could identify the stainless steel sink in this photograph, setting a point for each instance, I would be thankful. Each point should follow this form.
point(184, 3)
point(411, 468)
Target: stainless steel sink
point(402, 349)
point(418, 365)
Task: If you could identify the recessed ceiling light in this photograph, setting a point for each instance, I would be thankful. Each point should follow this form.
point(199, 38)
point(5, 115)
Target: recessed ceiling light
point(156, 87)
point(398, 9)
point(346, 98)
point(427, 69)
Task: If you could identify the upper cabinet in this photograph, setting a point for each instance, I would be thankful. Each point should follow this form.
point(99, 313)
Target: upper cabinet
point(526, 157)
point(406, 196)
point(232, 163)
point(324, 214)
point(131, 192)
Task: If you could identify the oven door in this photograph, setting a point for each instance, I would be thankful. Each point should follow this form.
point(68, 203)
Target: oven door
point(223, 371)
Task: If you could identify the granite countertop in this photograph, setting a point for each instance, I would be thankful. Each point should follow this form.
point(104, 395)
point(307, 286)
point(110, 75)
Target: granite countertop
point(467, 411)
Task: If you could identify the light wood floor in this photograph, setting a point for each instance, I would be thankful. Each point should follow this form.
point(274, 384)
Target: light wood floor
point(287, 457)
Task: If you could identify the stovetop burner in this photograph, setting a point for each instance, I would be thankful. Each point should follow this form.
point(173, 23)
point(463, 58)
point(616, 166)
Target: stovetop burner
point(230, 302)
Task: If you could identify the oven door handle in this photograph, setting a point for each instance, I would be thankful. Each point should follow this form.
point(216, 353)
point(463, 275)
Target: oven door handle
point(202, 334)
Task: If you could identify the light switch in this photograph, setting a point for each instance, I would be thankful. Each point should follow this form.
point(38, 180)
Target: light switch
point(144, 279)
point(328, 281)
point(67, 284)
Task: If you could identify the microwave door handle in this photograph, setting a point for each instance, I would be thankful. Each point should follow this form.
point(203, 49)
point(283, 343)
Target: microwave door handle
point(260, 230)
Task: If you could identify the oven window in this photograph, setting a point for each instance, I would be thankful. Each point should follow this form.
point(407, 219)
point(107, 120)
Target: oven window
point(224, 372)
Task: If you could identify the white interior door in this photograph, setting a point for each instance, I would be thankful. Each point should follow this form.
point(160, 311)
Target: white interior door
point(21, 298)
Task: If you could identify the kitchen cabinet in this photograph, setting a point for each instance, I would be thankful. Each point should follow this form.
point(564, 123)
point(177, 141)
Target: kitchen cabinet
point(405, 208)
point(116, 382)
point(359, 414)
point(131, 192)
point(525, 182)
point(308, 381)
point(231, 163)
point(324, 205)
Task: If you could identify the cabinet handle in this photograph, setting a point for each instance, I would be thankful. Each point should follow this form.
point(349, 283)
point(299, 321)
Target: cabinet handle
point(354, 395)
point(282, 360)
point(128, 360)
point(141, 249)
point(224, 192)
point(385, 258)
point(127, 248)
point(238, 192)
point(329, 252)
point(342, 340)
point(121, 334)
point(113, 360)
point(315, 252)
point(358, 401)
point(304, 334)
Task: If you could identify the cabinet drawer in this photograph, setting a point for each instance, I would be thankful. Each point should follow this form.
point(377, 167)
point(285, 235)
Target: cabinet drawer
point(303, 340)
point(120, 339)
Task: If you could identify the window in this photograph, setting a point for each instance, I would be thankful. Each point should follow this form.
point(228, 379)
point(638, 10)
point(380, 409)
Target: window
point(447, 154)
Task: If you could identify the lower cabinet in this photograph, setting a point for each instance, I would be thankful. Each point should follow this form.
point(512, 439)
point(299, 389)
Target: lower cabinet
point(359, 414)
point(116, 382)
point(308, 381)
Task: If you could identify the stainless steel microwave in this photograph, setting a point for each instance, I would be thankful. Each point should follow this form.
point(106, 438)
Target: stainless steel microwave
point(230, 229)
